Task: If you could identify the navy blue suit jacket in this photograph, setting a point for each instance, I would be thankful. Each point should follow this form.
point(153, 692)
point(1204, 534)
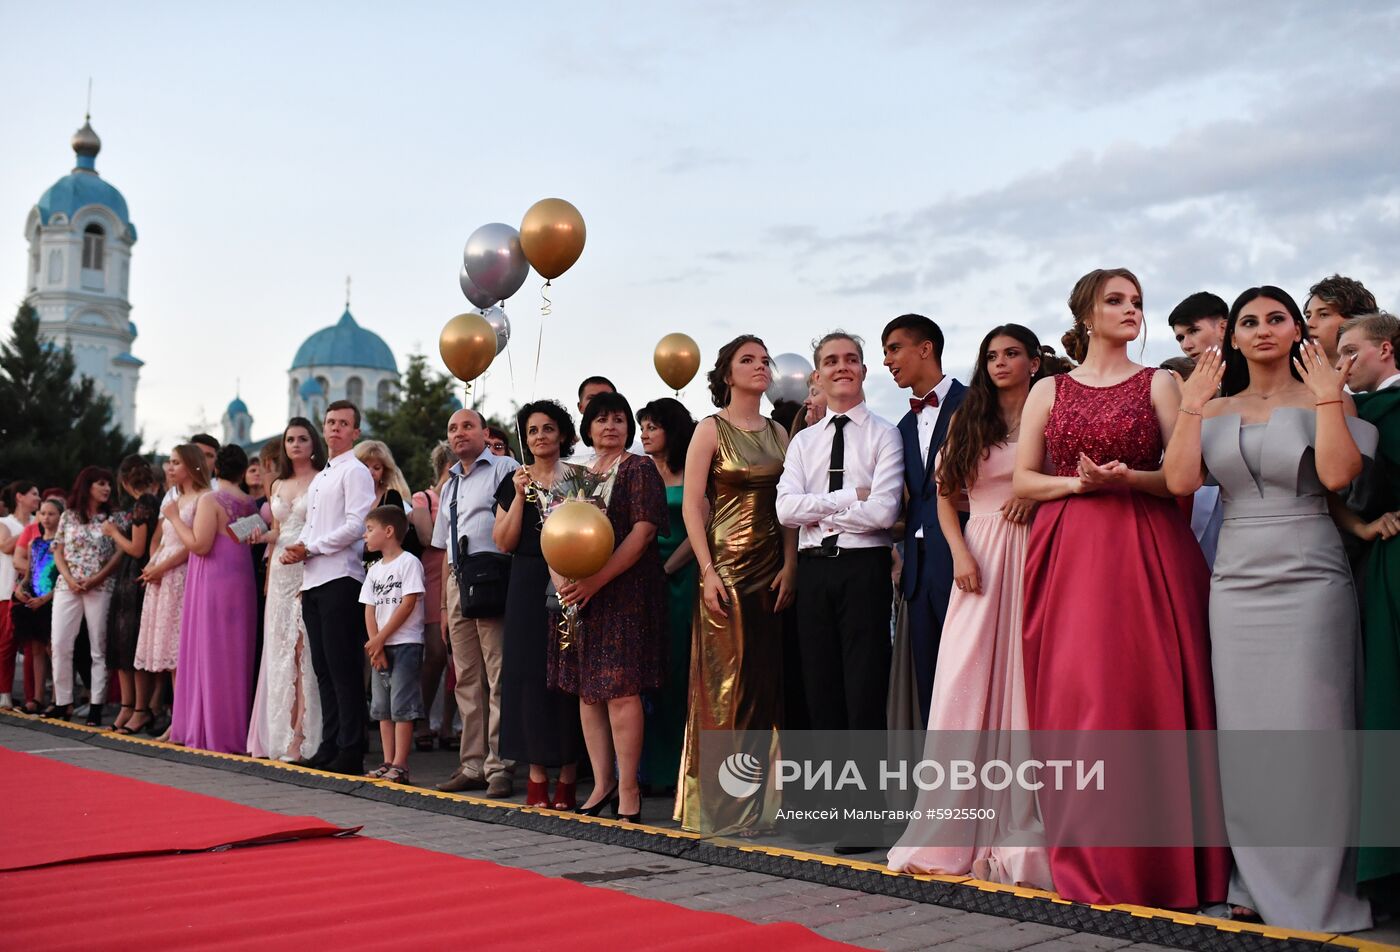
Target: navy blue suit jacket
point(937, 566)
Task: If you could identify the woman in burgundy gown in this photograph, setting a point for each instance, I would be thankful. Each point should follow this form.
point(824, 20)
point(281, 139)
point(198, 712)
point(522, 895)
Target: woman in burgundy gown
point(1116, 635)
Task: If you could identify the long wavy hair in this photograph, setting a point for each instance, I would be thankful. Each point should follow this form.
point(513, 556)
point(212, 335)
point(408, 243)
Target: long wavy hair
point(393, 478)
point(673, 419)
point(1236, 365)
point(285, 470)
point(978, 425)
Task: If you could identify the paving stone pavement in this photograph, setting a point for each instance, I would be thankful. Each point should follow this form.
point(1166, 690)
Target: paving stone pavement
point(861, 919)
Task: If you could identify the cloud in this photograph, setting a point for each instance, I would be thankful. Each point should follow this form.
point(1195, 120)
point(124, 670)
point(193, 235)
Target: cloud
point(1091, 54)
point(891, 282)
point(695, 159)
point(1306, 186)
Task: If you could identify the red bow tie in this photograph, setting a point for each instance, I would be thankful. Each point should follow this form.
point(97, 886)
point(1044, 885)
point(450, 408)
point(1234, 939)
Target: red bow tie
point(916, 405)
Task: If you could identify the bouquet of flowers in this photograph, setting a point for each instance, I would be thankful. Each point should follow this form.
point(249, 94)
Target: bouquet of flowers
point(581, 484)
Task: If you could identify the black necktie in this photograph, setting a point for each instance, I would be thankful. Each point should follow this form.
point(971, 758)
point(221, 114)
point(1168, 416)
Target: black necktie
point(835, 477)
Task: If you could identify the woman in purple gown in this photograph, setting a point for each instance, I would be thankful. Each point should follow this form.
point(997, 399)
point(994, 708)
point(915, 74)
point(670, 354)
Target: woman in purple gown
point(219, 624)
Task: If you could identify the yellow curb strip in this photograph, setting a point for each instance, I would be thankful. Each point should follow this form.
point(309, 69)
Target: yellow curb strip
point(1140, 912)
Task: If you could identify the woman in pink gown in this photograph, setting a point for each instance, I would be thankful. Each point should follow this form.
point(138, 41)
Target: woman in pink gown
point(217, 629)
point(1115, 633)
point(979, 684)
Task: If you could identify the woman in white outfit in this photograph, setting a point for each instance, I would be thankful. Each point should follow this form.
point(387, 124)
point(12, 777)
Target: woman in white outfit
point(286, 722)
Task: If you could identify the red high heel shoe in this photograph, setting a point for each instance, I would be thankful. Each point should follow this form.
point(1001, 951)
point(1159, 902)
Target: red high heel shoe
point(537, 793)
point(564, 798)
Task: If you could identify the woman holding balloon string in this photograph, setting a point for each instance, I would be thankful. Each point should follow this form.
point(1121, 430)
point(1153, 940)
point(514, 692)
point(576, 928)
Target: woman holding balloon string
point(616, 647)
point(539, 725)
point(748, 573)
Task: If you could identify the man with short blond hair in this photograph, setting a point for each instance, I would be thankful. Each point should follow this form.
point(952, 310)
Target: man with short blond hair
point(841, 488)
point(1370, 341)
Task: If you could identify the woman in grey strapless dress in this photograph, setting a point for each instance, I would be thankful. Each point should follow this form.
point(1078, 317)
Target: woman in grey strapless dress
point(1283, 615)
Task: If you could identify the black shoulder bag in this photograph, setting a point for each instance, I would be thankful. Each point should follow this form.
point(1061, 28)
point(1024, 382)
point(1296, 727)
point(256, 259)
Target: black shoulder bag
point(482, 579)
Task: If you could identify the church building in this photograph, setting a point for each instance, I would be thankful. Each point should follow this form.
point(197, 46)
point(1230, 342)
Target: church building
point(341, 362)
point(80, 239)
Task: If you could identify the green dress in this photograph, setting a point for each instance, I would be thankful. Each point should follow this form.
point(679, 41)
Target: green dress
point(666, 714)
point(1380, 612)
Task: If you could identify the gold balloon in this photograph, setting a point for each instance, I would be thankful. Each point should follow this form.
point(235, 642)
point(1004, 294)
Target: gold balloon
point(577, 539)
point(468, 345)
point(677, 358)
point(552, 235)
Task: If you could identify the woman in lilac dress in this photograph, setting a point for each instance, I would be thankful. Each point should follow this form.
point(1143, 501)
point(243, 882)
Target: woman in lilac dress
point(219, 624)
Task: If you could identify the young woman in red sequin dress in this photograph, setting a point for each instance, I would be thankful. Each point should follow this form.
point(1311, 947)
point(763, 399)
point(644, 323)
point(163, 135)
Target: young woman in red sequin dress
point(1116, 633)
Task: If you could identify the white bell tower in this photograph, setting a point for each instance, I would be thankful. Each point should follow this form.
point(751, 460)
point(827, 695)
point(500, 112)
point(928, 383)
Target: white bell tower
point(80, 239)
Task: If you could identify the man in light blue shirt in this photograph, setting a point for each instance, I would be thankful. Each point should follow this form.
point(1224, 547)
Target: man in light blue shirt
point(466, 516)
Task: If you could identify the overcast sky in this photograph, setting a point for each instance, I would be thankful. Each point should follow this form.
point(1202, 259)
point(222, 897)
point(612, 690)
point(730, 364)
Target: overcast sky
point(776, 168)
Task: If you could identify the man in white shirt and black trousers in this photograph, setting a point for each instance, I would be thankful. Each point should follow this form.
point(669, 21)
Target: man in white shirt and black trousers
point(331, 543)
point(841, 488)
point(475, 631)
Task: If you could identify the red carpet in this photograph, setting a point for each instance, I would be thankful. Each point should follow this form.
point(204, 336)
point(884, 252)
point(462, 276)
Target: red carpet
point(352, 893)
point(341, 893)
point(55, 813)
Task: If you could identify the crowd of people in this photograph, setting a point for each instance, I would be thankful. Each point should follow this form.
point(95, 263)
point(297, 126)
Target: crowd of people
point(1062, 543)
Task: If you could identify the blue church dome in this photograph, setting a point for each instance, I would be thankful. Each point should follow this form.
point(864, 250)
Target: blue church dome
point(312, 388)
point(345, 344)
point(236, 406)
point(83, 186)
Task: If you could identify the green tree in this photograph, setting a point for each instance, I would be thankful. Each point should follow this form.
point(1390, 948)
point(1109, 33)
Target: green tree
point(52, 423)
point(416, 421)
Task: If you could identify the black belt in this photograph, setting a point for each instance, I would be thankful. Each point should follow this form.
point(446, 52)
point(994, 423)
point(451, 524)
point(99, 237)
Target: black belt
point(831, 552)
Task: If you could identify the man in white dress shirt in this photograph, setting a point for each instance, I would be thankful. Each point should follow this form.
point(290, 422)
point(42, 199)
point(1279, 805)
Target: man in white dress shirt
point(476, 643)
point(330, 544)
point(842, 483)
point(587, 390)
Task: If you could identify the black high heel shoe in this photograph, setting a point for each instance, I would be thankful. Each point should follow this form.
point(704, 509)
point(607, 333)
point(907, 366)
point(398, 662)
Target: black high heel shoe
point(626, 817)
point(610, 800)
point(61, 712)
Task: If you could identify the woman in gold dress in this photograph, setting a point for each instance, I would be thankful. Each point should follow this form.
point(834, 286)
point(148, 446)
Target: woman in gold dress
point(749, 575)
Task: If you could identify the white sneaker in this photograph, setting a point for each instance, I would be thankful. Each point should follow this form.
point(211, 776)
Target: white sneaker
point(6, 701)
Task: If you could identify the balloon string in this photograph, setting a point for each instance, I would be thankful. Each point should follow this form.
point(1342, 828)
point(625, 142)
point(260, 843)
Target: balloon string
point(510, 365)
point(539, 346)
point(547, 307)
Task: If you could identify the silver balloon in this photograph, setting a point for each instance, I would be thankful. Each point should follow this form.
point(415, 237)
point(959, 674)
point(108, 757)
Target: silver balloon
point(474, 294)
point(496, 317)
point(790, 373)
point(494, 260)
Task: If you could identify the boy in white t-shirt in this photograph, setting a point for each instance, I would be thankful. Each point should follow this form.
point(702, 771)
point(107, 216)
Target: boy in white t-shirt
point(393, 600)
